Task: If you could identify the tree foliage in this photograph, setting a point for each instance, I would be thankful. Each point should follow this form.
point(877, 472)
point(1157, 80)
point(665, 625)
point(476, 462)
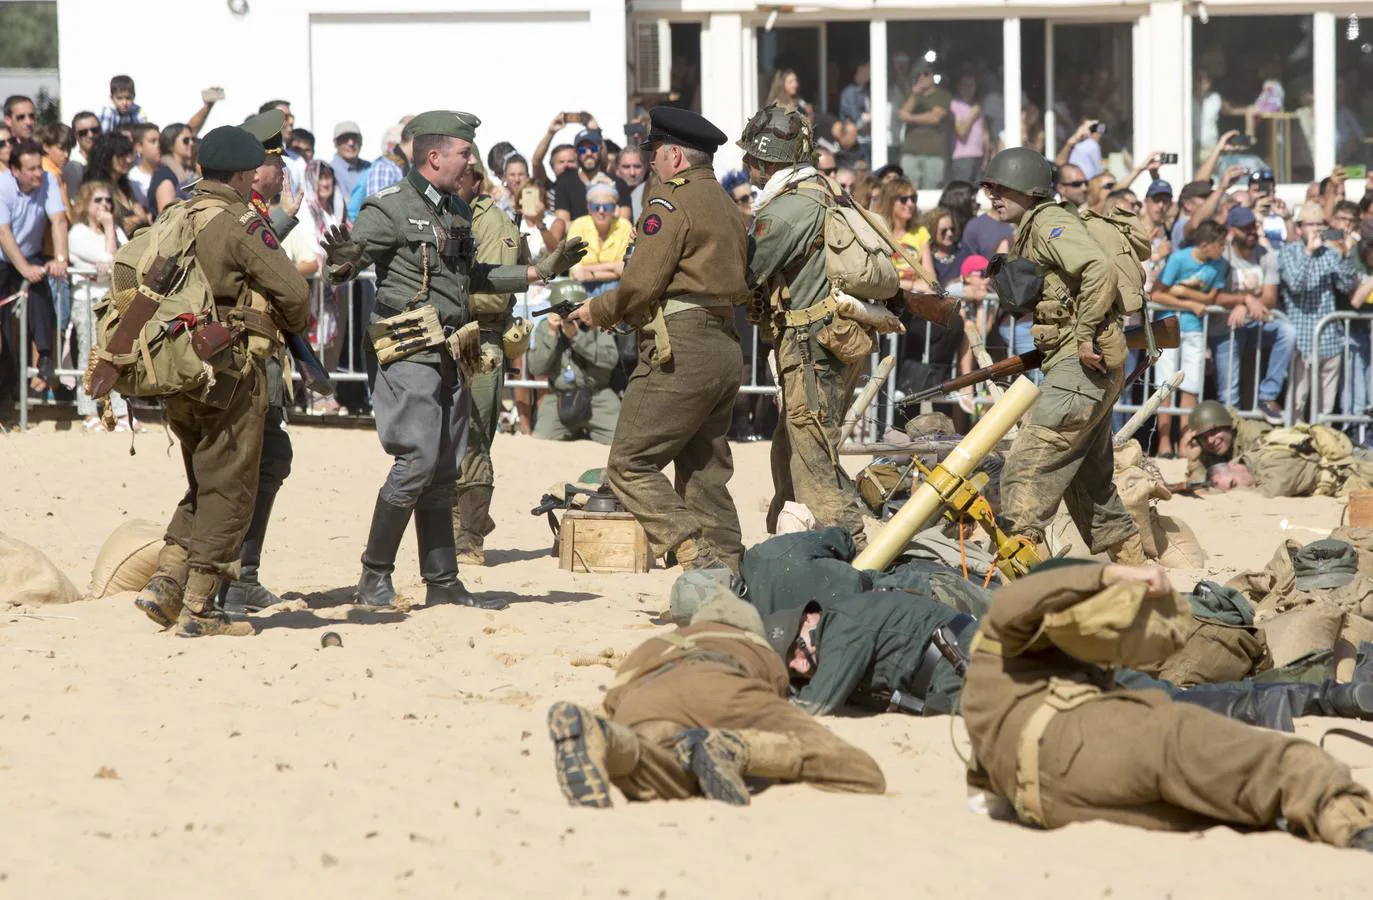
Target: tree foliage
point(28, 35)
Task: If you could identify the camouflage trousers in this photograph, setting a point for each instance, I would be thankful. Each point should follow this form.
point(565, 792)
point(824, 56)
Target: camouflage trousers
point(680, 413)
point(1063, 453)
point(805, 446)
point(472, 520)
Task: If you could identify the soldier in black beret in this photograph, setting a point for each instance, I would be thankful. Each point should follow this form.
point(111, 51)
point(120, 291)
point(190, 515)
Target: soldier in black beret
point(256, 287)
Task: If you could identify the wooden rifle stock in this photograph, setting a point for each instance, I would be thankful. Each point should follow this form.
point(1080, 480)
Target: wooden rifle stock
point(1166, 337)
point(942, 311)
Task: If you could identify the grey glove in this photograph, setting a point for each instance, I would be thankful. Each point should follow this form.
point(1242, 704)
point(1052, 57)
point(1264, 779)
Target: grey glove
point(567, 254)
point(340, 249)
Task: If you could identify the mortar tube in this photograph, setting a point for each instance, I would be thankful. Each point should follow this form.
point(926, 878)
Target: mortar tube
point(891, 541)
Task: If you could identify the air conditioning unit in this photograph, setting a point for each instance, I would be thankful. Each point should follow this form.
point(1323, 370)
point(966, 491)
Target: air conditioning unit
point(650, 56)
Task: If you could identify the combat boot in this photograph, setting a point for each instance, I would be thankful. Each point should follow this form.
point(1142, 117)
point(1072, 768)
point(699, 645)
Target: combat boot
point(160, 599)
point(246, 594)
point(1129, 552)
point(201, 617)
point(581, 754)
point(439, 562)
point(472, 523)
point(1247, 703)
point(718, 760)
point(379, 558)
point(697, 553)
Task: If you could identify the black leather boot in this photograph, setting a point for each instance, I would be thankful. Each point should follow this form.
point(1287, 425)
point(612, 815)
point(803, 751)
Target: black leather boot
point(1244, 703)
point(379, 559)
point(246, 594)
point(439, 561)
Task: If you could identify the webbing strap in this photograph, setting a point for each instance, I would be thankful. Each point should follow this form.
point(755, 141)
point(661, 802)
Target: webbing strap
point(1063, 696)
point(986, 644)
point(801, 318)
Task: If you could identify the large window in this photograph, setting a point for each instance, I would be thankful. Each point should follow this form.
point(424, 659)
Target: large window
point(1253, 74)
point(1353, 91)
point(956, 67)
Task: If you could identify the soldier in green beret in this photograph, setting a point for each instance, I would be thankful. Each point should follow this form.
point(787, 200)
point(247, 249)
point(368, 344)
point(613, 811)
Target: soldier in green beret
point(419, 235)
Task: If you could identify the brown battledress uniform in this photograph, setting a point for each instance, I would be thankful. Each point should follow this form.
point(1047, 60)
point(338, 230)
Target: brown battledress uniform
point(715, 676)
point(220, 448)
point(1054, 736)
point(688, 267)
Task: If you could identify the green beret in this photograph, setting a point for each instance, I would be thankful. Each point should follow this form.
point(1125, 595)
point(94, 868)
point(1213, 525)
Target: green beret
point(447, 123)
point(229, 148)
point(266, 127)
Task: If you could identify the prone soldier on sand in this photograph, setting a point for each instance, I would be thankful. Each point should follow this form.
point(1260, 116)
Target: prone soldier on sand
point(694, 712)
point(1054, 737)
point(1063, 451)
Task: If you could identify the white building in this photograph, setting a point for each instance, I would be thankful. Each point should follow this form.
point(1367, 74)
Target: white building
point(515, 63)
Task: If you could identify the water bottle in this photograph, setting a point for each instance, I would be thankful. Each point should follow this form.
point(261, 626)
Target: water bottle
point(569, 375)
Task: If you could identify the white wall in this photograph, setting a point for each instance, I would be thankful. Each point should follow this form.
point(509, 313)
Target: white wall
point(507, 61)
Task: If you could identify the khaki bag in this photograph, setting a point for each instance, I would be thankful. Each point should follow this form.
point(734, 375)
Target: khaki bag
point(849, 341)
point(1297, 632)
point(857, 255)
point(1125, 242)
point(1216, 652)
point(1120, 626)
point(28, 577)
point(127, 559)
point(163, 361)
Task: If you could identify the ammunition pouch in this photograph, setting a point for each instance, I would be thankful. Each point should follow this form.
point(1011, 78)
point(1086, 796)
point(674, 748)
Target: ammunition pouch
point(849, 341)
point(1019, 283)
point(465, 346)
point(515, 339)
point(402, 336)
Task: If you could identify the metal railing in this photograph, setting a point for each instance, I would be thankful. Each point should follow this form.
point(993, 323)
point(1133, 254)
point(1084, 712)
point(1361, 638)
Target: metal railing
point(1356, 352)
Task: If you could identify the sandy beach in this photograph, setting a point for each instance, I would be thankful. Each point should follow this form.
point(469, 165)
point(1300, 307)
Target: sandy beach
point(413, 761)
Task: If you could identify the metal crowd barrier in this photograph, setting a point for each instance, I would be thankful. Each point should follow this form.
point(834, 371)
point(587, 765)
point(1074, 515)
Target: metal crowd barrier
point(352, 305)
point(1356, 352)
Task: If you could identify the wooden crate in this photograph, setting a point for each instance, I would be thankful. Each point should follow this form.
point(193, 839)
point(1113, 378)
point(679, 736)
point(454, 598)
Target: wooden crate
point(603, 542)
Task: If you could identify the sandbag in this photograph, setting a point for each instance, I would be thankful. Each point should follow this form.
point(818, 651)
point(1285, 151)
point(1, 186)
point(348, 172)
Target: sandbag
point(127, 559)
point(1353, 633)
point(1298, 632)
point(1177, 543)
point(28, 577)
point(1361, 539)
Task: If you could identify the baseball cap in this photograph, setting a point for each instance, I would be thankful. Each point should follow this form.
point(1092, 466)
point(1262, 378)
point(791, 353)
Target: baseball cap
point(587, 136)
point(974, 263)
point(1195, 189)
point(1159, 186)
point(1240, 217)
point(391, 137)
point(344, 128)
point(1310, 211)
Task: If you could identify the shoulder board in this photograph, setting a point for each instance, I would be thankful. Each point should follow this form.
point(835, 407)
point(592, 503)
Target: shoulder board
point(386, 192)
point(676, 182)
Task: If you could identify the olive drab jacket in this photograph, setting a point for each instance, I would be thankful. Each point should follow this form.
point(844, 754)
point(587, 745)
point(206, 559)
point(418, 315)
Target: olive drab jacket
point(1080, 285)
point(1127, 244)
point(592, 355)
point(420, 240)
point(689, 245)
point(784, 245)
point(239, 256)
point(499, 242)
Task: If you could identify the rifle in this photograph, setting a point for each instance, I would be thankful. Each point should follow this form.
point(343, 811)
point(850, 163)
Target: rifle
point(1165, 333)
point(1188, 487)
point(941, 309)
point(312, 372)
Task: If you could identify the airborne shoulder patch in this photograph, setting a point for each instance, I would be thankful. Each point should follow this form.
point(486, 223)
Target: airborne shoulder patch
point(665, 204)
point(1056, 232)
point(652, 224)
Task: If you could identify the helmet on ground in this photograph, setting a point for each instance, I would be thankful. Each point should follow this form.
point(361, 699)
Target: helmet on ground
point(1208, 416)
point(1021, 169)
point(775, 134)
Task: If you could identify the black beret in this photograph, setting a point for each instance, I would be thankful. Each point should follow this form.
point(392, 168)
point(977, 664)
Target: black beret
point(229, 148)
point(683, 127)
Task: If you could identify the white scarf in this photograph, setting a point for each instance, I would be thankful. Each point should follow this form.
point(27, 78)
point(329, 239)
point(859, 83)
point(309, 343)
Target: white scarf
point(780, 180)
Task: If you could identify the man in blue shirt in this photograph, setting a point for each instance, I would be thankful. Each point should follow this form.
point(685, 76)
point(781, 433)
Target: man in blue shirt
point(1189, 283)
point(349, 168)
point(855, 107)
point(30, 199)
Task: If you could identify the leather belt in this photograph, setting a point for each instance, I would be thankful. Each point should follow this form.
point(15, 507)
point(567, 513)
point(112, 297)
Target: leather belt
point(918, 683)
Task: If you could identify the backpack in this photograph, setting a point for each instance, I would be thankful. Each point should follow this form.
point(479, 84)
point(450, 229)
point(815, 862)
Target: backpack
point(857, 248)
point(156, 347)
point(1121, 236)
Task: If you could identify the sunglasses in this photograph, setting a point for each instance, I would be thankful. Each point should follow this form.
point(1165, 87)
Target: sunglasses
point(25, 117)
point(87, 132)
point(830, 171)
point(744, 199)
point(587, 149)
point(185, 140)
point(1109, 187)
point(105, 200)
point(904, 198)
point(601, 207)
point(947, 230)
point(1072, 184)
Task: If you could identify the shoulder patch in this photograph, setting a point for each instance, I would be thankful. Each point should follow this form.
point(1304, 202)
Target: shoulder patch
point(247, 217)
point(652, 224)
point(665, 204)
point(760, 225)
point(509, 242)
point(386, 192)
point(1056, 232)
point(259, 227)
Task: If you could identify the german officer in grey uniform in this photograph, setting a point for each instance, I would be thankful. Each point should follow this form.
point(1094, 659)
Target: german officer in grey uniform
point(419, 235)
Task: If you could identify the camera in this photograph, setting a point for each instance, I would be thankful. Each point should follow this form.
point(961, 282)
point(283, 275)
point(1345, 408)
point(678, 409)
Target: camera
point(1099, 128)
point(1332, 234)
point(1167, 159)
point(1242, 142)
